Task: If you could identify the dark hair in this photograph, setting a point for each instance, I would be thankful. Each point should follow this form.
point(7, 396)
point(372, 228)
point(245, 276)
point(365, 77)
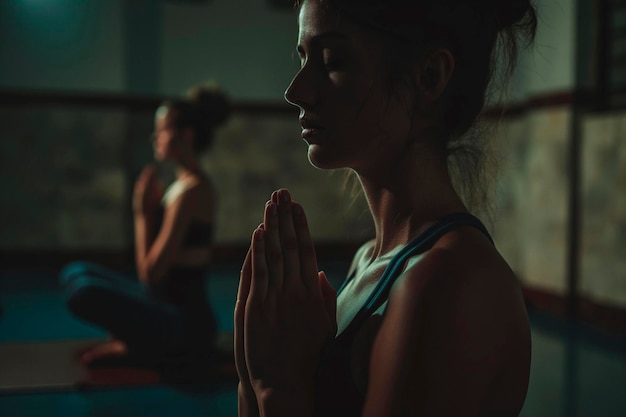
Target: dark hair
point(204, 109)
point(484, 36)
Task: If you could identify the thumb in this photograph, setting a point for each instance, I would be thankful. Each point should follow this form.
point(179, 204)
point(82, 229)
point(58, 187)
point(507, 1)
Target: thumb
point(329, 296)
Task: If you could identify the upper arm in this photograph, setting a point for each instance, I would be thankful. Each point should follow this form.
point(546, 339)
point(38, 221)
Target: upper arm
point(437, 350)
point(176, 221)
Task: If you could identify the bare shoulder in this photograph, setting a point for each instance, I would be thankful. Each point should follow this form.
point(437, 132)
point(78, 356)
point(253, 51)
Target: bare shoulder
point(463, 267)
point(457, 328)
point(463, 295)
point(190, 194)
point(198, 191)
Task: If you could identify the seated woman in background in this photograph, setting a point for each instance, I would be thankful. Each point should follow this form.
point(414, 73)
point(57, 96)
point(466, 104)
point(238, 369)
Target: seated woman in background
point(164, 317)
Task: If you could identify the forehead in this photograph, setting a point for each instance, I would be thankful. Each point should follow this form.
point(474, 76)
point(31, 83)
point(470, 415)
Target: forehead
point(165, 115)
point(317, 19)
point(314, 15)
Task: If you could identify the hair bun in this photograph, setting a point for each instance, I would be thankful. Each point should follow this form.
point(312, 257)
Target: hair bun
point(212, 102)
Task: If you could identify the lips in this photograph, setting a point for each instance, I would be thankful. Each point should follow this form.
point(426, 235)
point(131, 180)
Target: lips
point(310, 127)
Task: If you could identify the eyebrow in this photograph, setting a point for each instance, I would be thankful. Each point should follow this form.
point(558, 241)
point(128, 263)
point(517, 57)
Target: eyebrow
point(316, 40)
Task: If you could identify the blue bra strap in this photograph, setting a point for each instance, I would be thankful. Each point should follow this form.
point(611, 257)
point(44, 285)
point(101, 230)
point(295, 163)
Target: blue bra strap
point(419, 244)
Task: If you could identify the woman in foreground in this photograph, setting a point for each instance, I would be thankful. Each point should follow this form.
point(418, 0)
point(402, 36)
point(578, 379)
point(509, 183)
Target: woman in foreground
point(430, 320)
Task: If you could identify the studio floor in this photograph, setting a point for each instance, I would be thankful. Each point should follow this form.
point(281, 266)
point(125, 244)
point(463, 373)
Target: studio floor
point(577, 370)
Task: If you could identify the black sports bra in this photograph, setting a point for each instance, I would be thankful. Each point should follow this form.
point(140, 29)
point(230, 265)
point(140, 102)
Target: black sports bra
point(335, 391)
point(199, 234)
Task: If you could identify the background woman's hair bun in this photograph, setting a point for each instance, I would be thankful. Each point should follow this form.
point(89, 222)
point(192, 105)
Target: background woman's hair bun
point(212, 103)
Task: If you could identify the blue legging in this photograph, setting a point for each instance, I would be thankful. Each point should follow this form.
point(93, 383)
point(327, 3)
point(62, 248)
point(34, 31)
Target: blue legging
point(124, 307)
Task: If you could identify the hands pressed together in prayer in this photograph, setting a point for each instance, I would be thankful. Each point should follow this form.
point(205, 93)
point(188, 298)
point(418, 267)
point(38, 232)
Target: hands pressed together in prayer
point(285, 312)
point(148, 191)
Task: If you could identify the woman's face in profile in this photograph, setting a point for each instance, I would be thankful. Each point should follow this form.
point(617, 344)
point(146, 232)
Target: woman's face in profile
point(165, 135)
point(348, 116)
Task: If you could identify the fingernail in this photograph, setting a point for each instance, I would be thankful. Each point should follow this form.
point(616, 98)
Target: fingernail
point(260, 234)
point(284, 196)
point(273, 209)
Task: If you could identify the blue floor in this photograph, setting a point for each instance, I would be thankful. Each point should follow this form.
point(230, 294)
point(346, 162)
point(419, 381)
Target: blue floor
point(576, 371)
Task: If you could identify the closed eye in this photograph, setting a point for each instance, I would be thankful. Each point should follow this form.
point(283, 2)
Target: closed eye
point(333, 61)
point(320, 43)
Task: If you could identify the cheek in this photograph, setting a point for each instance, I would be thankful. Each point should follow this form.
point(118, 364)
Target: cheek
point(369, 116)
point(165, 148)
point(166, 143)
point(352, 109)
point(387, 113)
point(382, 129)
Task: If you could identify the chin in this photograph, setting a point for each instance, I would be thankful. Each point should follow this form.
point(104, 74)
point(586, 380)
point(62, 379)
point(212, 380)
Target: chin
point(161, 156)
point(324, 159)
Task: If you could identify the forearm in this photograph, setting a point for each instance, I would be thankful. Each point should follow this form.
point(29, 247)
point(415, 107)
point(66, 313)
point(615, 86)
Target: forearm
point(145, 234)
point(274, 403)
point(247, 404)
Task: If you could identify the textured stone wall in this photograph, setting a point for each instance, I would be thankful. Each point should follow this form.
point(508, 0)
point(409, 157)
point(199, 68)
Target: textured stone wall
point(63, 182)
point(531, 203)
point(603, 252)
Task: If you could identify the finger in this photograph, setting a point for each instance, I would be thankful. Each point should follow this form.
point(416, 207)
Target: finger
point(289, 241)
point(239, 316)
point(306, 248)
point(245, 278)
point(260, 276)
point(245, 275)
point(145, 176)
point(151, 176)
point(141, 179)
point(272, 245)
point(148, 171)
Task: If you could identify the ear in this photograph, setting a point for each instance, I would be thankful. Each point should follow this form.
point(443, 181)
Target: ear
point(434, 75)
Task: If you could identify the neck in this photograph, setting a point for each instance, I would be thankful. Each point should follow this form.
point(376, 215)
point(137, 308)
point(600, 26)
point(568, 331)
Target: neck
point(188, 168)
point(408, 197)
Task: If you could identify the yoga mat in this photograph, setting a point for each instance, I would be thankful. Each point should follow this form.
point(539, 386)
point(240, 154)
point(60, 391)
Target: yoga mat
point(53, 365)
point(49, 365)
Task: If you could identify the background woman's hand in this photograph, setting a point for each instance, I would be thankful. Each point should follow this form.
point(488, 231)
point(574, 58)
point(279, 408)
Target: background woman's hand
point(290, 307)
point(148, 191)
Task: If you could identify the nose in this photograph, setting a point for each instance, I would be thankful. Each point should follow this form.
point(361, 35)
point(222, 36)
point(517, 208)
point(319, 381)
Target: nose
point(301, 91)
